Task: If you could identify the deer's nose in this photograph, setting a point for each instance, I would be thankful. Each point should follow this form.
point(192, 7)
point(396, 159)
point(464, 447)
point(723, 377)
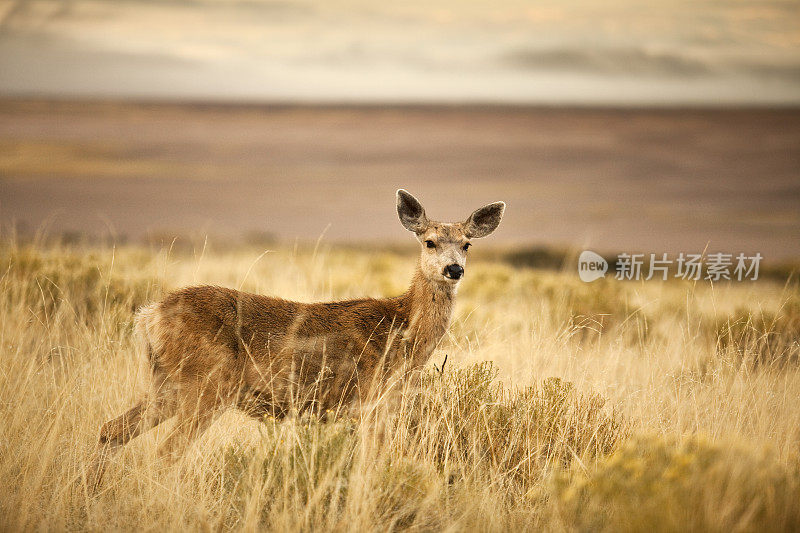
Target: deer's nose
point(453, 271)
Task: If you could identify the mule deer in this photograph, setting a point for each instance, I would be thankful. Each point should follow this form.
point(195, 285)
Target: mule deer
point(211, 348)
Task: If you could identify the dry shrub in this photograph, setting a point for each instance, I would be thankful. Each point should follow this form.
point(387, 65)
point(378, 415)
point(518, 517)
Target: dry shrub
point(761, 340)
point(651, 484)
point(81, 284)
point(299, 471)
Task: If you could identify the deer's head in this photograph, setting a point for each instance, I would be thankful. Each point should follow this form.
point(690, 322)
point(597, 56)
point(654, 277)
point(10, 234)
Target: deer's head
point(443, 256)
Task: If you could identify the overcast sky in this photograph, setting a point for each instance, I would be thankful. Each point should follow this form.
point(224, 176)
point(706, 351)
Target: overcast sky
point(579, 52)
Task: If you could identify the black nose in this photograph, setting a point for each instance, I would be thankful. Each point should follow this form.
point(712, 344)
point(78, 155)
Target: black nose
point(453, 271)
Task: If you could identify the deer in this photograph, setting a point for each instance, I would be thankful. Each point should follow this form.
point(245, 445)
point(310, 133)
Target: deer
point(211, 348)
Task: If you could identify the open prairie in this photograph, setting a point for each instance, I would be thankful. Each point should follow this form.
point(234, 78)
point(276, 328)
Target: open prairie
point(610, 406)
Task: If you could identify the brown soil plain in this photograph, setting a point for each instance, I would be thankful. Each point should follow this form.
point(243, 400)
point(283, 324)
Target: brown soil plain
point(618, 180)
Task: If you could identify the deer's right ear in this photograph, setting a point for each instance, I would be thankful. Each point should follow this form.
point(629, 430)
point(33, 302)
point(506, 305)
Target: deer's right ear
point(411, 213)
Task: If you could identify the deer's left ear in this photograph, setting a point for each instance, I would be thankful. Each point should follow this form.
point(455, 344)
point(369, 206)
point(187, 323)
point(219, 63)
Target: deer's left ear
point(484, 220)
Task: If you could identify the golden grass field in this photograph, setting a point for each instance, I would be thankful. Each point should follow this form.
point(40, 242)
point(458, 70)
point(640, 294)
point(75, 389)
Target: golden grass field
point(564, 406)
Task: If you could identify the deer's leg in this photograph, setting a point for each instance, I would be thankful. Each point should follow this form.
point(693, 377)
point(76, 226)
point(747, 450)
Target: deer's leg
point(115, 433)
point(257, 408)
point(196, 412)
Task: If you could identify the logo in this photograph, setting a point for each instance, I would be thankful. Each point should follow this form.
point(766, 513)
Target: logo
point(591, 266)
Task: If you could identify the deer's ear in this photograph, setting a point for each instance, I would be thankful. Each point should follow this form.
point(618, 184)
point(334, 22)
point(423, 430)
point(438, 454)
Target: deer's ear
point(411, 213)
point(484, 220)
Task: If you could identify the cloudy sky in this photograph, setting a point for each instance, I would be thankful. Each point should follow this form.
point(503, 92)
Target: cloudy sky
point(579, 52)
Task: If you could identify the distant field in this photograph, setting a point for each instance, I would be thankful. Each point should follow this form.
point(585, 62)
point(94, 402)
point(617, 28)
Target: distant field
point(564, 406)
point(615, 180)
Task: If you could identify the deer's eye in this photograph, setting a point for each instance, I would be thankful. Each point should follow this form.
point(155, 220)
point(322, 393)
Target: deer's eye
point(466, 246)
point(430, 244)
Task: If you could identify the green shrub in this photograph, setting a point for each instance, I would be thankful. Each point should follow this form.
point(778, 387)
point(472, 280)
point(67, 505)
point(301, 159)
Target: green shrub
point(467, 419)
point(457, 431)
point(652, 485)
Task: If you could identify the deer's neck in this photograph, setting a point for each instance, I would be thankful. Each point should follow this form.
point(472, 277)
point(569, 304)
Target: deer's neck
point(430, 305)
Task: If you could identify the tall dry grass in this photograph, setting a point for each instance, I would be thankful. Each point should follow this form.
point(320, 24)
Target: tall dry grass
point(563, 406)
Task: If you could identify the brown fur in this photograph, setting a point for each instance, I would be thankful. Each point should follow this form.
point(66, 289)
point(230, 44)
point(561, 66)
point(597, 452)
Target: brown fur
point(211, 348)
